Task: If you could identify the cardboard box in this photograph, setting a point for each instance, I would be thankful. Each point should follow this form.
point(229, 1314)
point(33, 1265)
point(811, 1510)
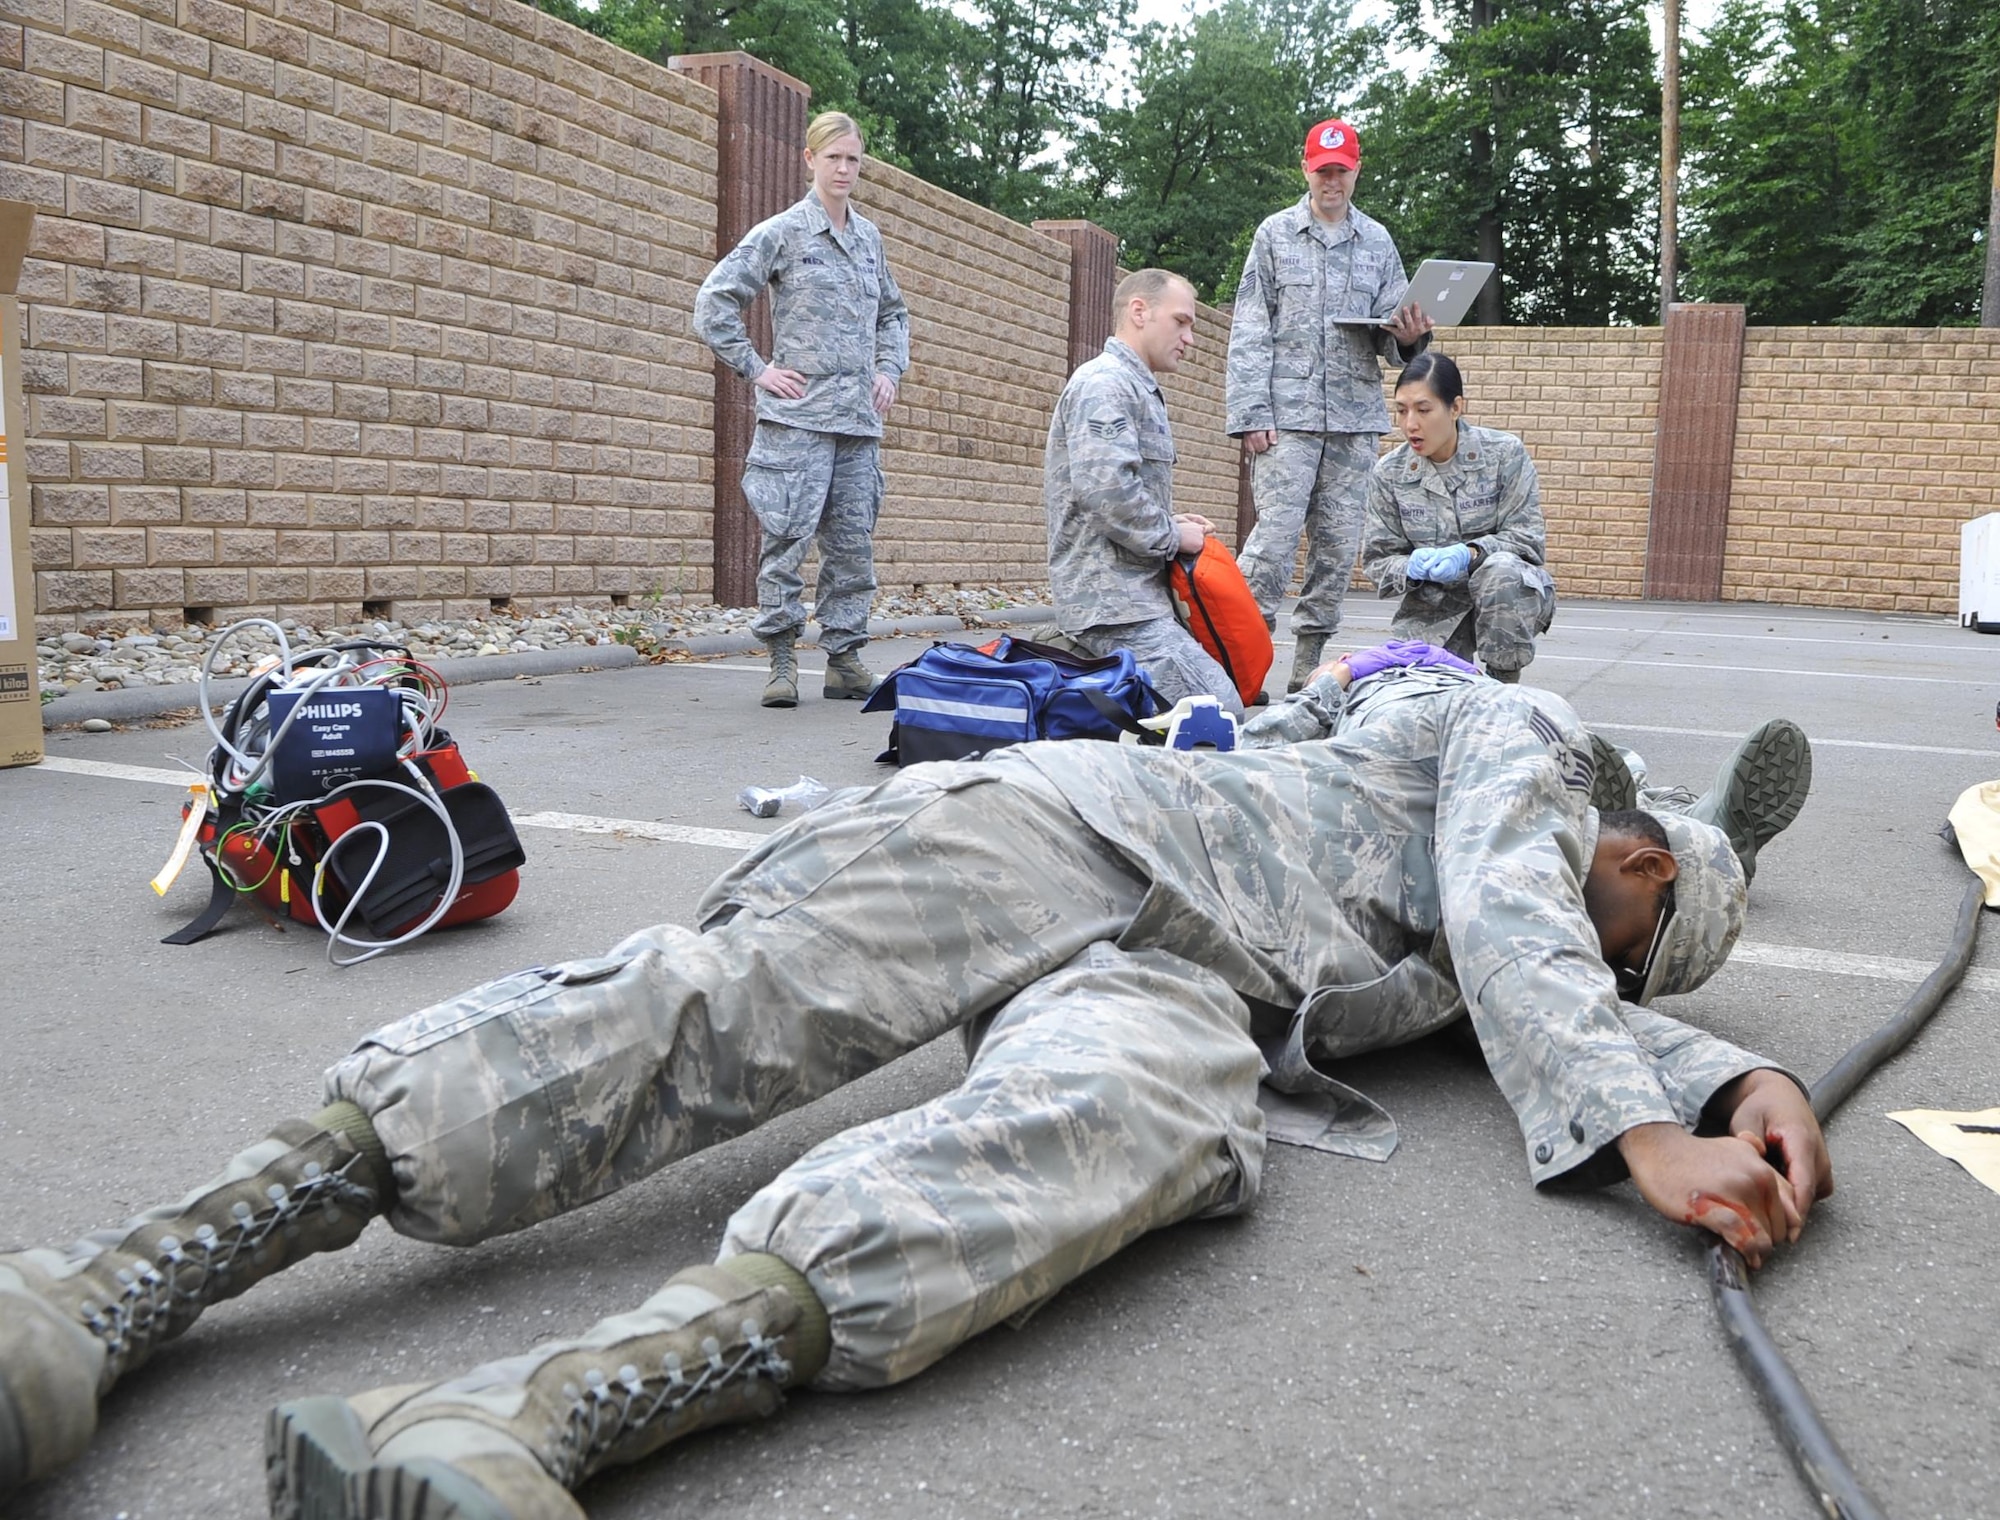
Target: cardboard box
point(20, 681)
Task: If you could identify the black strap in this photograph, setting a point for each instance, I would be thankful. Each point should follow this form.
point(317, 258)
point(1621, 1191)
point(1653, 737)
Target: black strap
point(1225, 657)
point(1115, 714)
point(221, 898)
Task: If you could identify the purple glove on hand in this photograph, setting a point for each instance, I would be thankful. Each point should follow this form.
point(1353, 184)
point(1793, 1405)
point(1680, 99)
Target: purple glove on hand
point(1377, 658)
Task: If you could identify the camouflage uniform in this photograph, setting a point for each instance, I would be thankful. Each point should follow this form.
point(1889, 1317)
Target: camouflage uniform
point(1294, 370)
point(813, 471)
point(1128, 937)
point(1108, 493)
point(1486, 495)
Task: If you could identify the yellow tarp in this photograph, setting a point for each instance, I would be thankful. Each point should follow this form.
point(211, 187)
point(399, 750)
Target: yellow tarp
point(1976, 819)
point(1972, 1140)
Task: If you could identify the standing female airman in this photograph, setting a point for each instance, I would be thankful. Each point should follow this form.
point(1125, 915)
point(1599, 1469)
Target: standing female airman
point(841, 343)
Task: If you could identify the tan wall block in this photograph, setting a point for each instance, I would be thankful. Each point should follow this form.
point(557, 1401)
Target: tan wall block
point(1891, 443)
point(962, 454)
point(281, 218)
point(1593, 453)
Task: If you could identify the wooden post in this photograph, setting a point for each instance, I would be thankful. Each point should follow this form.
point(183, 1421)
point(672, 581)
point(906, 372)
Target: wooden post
point(1694, 450)
point(760, 170)
point(1670, 156)
point(1093, 276)
point(1989, 303)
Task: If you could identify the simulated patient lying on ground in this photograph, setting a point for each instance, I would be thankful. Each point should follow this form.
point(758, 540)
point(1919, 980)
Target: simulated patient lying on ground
point(1130, 940)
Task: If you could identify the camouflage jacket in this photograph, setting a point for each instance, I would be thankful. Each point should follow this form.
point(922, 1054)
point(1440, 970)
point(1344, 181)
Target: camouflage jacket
point(1486, 494)
point(837, 316)
point(1341, 880)
point(1291, 366)
point(1108, 491)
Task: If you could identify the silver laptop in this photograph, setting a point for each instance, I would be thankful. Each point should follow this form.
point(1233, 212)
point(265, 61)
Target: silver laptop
point(1445, 288)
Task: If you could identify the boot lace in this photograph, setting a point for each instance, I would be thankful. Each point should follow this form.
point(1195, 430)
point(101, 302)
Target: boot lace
point(1675, 798)
point(158, 1298)
point(604, 1411)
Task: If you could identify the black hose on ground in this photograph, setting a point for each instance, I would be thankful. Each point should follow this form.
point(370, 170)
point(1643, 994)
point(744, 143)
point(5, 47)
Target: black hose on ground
point(1814, 1451)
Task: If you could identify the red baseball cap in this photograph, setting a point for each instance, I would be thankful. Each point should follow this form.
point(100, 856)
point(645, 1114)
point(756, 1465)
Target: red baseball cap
point(1332, 142)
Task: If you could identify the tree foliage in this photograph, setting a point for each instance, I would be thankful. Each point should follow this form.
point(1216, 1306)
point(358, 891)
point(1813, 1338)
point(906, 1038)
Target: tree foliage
point(1531, 141)
point(1837, 151)
point(1207, 143)
point(1838, 159)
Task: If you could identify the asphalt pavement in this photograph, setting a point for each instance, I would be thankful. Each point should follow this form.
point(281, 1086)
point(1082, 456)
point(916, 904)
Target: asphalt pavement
point(1428, 1337)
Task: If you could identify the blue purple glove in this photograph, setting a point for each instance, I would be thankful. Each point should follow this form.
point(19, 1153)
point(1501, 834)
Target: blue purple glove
point(1377, 658)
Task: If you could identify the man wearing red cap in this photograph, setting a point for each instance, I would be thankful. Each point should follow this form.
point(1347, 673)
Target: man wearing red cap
point(1305, 392)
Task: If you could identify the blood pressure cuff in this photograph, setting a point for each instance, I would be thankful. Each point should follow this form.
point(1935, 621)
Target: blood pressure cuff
point(416, 863)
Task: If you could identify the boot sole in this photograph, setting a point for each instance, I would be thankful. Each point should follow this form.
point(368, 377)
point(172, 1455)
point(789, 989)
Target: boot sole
point(1767, 782)
point(847, 694)
point(319, 1466)
point(1612, 789)
point(779, 702)
point(314, 1449)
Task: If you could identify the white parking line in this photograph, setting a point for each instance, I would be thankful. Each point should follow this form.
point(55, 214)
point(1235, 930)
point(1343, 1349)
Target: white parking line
point(111, 772)
point(1992, 753)
point(1703, 667)
point(1881, 968)
point(575, 823)
point(1772, 638)
point(639, 828)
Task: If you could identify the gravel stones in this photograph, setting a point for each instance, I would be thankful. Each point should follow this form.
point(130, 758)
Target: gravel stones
point(120, 655)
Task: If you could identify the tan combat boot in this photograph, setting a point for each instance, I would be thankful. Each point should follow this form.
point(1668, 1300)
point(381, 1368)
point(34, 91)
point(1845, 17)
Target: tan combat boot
point(509, 1440)
point(782, 690)
point(847, 679)
point(74, 1319)
point(1307, 650)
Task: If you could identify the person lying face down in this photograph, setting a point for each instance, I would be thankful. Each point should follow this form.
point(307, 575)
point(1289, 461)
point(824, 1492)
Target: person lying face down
point(1131, 939)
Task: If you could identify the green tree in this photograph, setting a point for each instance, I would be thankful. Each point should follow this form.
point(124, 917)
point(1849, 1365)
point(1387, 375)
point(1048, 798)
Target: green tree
point(1530, 140)
point(911, 65)
point(1033, 81)
point(1207, 143)
point(639, 26)
point(976, 97)
point(1772, 182)
point(1839, 159)
point(1928, 73)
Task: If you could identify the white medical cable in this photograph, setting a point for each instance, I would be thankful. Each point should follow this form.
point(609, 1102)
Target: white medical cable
point(337, 931)
point(257, 745)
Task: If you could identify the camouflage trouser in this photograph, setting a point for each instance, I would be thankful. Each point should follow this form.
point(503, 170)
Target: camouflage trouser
point(1315, 484)
point(806, 488)
point(1175, 664)
point(1111, 1094)
point(1497, 612)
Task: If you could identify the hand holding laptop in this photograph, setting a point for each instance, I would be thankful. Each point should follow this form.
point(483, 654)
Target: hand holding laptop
point(1440, 294)
point(1409, 325)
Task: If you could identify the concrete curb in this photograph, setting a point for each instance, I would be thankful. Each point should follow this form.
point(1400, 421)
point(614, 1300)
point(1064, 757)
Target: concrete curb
point(878, 628)
point(133, 702)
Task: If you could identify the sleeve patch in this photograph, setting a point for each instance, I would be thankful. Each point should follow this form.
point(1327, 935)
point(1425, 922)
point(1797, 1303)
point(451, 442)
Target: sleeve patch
point(1110, 427)
point(1577, 767)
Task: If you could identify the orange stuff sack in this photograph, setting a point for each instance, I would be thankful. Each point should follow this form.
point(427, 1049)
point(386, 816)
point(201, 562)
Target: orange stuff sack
point(1214, 601)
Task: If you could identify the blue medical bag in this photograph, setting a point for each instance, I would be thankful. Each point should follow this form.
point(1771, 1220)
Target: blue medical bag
point(957, 700)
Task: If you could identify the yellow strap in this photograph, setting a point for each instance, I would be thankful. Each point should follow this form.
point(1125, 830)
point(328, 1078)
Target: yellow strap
point(198, 800)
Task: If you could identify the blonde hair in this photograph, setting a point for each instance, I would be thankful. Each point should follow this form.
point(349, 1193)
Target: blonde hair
point(1146, 285)
point(830, 126)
